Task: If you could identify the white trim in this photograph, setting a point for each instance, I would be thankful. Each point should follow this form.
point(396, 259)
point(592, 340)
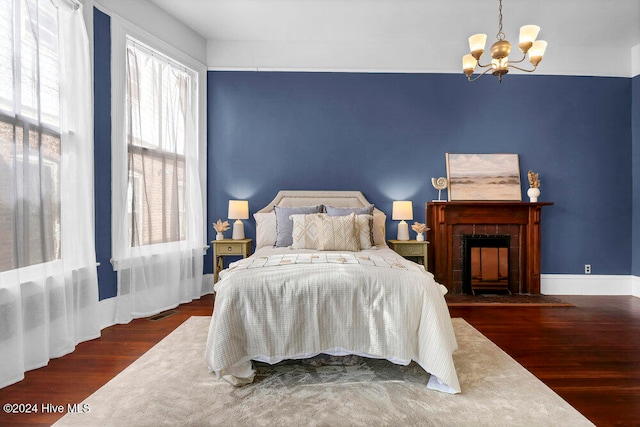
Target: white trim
point(207, 284)
point(392, 57)
point(635, 60)
point(120, 29)
point(586, 284)
point(107, 312)
point(635, 286)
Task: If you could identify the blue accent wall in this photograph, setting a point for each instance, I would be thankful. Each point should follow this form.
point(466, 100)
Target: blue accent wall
point(102, 151)
point(387, 135)
point(635, 120)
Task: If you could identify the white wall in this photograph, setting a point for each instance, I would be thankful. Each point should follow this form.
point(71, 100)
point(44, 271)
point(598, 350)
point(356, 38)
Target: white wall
point(150, 18)
point(635, 61)
point(414, 56)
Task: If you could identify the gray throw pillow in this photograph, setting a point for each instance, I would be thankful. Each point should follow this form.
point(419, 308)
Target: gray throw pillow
point(334, 211)
point(284, 225)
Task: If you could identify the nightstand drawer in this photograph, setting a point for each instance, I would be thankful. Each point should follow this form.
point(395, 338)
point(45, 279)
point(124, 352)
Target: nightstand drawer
point(231, 249)
point(408, 249)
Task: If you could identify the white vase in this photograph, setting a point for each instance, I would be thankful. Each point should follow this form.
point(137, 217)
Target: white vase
point(219, 236)
point(420, 237)
point(533, 194)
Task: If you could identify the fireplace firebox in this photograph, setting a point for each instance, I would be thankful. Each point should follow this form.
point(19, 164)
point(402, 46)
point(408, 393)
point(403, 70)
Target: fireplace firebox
point(485, 263)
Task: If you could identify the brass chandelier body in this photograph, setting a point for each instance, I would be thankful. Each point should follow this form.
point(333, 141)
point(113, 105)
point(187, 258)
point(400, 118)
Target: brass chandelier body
point(500, 50)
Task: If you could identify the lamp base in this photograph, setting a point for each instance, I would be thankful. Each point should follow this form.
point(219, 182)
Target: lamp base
point(238, 230)
point(403, 231)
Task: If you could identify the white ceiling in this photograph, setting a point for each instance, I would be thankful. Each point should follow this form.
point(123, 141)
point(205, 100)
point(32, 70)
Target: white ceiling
point(407, 35)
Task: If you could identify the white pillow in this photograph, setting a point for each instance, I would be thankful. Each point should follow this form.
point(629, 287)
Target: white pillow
point(265, 229)
point(379, 230)
point(305, 233)
point(363, 226)
point(338, 233)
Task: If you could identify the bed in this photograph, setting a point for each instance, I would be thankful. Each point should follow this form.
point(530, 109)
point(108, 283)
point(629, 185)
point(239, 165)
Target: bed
point(302, 294)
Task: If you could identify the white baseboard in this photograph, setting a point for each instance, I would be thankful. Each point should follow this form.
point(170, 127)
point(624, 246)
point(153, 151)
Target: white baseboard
point(589, 284)
point(635, 286)
point(107, 308)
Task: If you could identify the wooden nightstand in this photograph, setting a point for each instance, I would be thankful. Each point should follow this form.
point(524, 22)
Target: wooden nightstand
point(411, 249)
point(228, 247)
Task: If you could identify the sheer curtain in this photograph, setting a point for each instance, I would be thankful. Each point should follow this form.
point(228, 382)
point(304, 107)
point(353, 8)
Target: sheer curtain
point(48, 282)
point(158, 240)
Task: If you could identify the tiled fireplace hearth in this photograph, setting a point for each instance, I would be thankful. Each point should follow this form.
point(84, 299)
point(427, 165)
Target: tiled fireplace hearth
point(516, 222)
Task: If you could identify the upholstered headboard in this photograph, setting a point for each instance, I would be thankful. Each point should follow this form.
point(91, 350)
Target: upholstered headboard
point(294, 198)
point(266, 218)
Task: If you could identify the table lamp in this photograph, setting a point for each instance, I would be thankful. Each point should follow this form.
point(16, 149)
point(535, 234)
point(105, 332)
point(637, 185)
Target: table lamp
point(402, 210)
point(238, 210)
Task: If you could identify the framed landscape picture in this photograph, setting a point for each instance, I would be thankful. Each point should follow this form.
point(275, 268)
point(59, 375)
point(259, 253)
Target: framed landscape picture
point(489, 177)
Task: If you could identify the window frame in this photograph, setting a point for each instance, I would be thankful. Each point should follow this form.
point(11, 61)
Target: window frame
point(120, 30)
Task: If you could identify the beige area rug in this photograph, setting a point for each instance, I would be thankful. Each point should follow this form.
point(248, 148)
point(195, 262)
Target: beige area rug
point(170, 385)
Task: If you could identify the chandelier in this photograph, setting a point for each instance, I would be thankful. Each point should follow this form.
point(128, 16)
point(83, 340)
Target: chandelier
point(500, 50)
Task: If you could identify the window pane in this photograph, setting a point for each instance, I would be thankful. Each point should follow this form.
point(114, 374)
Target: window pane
point(157, 95)
point(30, 198)
point(6, 56)
point(29, 143)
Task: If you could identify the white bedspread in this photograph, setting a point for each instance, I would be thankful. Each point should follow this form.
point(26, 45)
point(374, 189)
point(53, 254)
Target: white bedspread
point(372, 303)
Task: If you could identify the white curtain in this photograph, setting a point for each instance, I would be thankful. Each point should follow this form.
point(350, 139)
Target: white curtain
point(158, 229)
point(48, 281)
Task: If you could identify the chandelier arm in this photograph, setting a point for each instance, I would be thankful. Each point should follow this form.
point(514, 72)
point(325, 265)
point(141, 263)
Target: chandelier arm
point(484, 65)
point(517, 62)
point(522, 69)
point(479, 75)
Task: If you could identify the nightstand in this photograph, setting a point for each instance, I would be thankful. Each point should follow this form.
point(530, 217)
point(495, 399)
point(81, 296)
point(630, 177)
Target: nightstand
point(411, 249)
point(228, 247)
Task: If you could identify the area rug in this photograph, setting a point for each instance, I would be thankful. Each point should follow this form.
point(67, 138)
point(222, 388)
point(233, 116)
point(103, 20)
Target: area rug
point(170, 385)
point(505, 300)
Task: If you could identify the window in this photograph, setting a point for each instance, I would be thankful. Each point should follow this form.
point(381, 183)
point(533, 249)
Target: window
point(159, 96)
point(29, 134)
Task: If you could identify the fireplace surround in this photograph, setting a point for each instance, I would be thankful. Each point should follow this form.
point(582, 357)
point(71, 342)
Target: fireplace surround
point(520, 221)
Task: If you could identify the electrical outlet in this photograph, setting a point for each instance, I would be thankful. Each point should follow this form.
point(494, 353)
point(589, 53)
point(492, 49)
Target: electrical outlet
point(587, 269)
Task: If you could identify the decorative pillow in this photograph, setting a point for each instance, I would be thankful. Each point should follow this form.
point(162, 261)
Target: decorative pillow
point(338, 233)
point(284, 225)
point(335, 211)
point(363, 226)
point(379, 230)
point(366, 210)
point(265, 229)
point(306, 228)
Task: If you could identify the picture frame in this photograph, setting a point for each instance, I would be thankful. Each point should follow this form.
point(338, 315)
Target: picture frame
point(483, 177)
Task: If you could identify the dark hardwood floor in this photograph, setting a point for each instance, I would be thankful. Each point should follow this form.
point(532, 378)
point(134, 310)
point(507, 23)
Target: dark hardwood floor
point(589, 354)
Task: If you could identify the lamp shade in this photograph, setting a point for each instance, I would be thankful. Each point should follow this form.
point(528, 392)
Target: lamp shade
point(528, 33)
point(538, 48)
point(469, 62)
point(238, 209)
point(402, 210)
point(477, 42)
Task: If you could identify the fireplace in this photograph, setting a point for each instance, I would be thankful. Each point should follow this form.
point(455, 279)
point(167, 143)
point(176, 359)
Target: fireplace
point(485, 263)
point(448, 222)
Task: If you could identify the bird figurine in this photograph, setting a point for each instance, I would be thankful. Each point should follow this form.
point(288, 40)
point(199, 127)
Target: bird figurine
point(439, 184)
